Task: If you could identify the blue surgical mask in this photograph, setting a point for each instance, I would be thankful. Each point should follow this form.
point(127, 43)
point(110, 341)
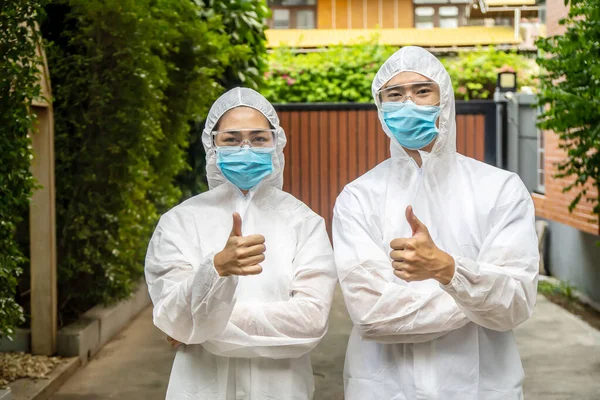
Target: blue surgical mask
point(413, 126)
point(245, 167)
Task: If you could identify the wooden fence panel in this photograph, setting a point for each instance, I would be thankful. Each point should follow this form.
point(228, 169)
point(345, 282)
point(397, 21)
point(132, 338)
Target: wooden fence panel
point(330, 146)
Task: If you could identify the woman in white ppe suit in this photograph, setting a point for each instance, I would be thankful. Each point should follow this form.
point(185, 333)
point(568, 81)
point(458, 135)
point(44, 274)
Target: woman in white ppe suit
point(436, 254)
point(249, 298)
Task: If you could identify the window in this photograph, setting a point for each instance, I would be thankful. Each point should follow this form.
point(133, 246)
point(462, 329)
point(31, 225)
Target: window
point(424, 17)
point(293, 14)
point(541, 161)
point(281, 19)
point(305, 19)
point(542, 12)
point(448, 17)
point(499, 21)
point(433, 14)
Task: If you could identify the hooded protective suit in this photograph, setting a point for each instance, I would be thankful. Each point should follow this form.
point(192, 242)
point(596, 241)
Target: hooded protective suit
point(247, 337)
point(423, 340)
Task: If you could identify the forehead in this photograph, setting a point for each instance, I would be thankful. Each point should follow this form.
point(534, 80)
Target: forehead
point(243, 118)
point(406, 77)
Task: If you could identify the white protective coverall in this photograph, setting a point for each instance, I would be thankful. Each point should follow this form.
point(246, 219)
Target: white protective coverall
point(423, 340)
point(247, 337)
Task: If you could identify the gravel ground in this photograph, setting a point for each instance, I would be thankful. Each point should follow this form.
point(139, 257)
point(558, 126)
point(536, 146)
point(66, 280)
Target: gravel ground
point(15, 366)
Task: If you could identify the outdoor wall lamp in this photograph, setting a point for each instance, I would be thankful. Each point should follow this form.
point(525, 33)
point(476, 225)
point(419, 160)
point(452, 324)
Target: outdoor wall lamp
point(507, 82)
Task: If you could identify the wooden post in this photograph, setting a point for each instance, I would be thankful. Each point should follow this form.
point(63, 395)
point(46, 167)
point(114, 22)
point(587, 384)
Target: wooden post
point(42, 221)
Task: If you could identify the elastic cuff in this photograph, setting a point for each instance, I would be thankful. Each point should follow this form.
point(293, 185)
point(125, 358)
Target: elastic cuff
point(451, 286)
point(208, 276)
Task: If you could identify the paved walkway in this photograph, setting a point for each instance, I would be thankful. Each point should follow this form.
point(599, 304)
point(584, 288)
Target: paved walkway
point(561, 356)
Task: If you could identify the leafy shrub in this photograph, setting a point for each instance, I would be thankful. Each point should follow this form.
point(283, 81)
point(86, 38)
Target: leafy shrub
point(19, 85)
point(128, 77)
point(474, 73)
point(242, 22)
point(337, 74)
point(344, 74)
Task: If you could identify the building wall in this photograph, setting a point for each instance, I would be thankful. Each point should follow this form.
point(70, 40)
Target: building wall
point(572, 252)
point(364, 14)
point(555, 11)
point(573, 257)
point(324, 14)
point(553, 204)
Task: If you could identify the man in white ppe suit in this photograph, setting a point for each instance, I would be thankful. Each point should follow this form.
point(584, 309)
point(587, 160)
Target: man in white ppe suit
point(249, 299)
point(436, 254)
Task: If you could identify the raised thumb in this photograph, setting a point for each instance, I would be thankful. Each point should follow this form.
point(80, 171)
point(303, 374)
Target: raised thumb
point(236, 229)
point(413, 221)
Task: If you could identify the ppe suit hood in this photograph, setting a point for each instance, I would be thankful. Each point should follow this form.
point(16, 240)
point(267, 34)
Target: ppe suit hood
point(242, 97)
point(419, 60)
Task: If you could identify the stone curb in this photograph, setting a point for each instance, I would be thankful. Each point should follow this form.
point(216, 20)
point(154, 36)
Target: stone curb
point(86, 336)
point(42, 389)
point(99, 325)
point(77, 342)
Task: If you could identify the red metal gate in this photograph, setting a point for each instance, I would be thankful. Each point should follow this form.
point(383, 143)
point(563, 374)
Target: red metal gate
point(329, 145)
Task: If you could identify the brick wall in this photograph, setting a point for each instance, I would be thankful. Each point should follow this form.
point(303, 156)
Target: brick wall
point(554, 203)
point(555, 10)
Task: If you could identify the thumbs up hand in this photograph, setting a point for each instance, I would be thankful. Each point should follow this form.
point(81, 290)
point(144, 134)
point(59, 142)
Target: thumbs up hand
point(242, 255)
point(417, 258)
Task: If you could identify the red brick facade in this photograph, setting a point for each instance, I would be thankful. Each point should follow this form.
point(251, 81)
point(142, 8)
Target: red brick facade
point(555, 11)
point(554, 203)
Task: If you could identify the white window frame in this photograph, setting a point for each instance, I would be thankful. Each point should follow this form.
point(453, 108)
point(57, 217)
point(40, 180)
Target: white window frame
point(540, 176)
point(432, 16)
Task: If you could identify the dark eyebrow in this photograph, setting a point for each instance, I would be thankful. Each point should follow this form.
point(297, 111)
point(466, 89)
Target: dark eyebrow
point(421, 85)
point(232, 133)
point(257, 131)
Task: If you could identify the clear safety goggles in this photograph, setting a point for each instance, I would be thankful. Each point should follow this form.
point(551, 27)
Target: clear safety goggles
point(256, 138)
point(420, 93)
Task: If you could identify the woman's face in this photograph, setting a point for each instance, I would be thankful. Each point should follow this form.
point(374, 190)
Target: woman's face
point(244, 125)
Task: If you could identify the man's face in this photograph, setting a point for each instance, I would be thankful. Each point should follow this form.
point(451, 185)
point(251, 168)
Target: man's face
point(410, 85)
point(420, 89)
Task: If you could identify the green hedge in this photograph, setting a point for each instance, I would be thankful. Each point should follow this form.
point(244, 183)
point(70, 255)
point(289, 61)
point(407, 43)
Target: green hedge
point(242, 22)
point(18, 86)
point(128, 77)
point(337, 74)
point(344, 74)
point(474, 73)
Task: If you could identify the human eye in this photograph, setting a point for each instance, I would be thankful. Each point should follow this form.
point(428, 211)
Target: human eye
point(394, 94)
point(262, 138)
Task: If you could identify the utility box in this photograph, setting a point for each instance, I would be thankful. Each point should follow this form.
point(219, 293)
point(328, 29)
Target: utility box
point(517, 135)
